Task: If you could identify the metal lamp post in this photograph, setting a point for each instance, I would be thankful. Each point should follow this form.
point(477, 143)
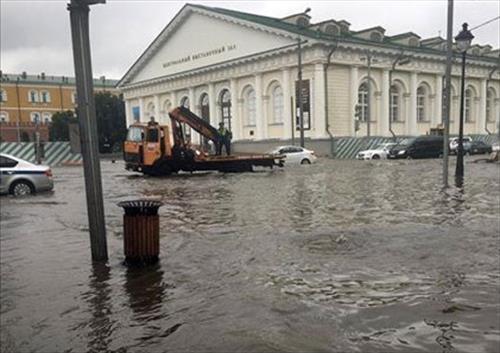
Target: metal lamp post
point(79, 19)
point(463, 40)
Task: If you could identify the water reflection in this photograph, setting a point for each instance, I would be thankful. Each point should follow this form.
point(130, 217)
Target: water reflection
point(99, 300)
point(145, 289)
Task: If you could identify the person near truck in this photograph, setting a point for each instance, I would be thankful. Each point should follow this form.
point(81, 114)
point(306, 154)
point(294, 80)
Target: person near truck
point(225, 137)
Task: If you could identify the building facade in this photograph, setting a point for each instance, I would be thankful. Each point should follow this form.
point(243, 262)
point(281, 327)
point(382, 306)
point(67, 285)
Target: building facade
point(26, 100)
point(242, 69)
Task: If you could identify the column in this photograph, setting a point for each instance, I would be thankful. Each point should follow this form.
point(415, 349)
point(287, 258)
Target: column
point(383, 122)
point(212, 103)
point(195, 137)
point(319, 101)
point(141, 109)
point(173, 99)
point(353, 99)
point(235, 118)
point(261, 119)
point(157, 108)
point(411, 127)
point(481, 117)
point(239, 107)
point(128, 114)
point(287, 109)
point(437, 117)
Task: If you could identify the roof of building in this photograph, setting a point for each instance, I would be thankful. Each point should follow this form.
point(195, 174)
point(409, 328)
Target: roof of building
point(43, 79)
point(309, 31)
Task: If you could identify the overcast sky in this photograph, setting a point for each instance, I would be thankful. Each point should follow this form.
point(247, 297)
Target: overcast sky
point(35, 35)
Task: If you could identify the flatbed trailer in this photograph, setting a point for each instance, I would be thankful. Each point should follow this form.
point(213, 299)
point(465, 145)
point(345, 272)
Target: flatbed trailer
point(149, 150)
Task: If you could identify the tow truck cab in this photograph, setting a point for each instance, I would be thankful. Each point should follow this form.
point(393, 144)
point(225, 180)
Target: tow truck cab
point(145, 145)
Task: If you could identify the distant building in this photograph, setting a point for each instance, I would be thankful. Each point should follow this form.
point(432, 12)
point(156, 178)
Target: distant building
point(28, 99)
point(241, 68)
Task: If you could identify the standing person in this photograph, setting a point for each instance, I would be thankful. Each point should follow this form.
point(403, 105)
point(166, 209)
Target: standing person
point(225, 138)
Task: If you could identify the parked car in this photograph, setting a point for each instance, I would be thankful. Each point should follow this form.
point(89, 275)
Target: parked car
point(466, 140)
point(379, 152)
point(479, 147)
point(19, 177)
point(295, 154)
point(419, 147)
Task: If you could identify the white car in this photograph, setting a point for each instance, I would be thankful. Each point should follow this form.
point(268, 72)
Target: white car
point(467, 141)
point(19, 177)
point(379, 152)
point(295, 155)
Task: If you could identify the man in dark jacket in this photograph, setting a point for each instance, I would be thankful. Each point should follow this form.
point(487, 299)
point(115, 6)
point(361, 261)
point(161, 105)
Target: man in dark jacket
point(225, 139)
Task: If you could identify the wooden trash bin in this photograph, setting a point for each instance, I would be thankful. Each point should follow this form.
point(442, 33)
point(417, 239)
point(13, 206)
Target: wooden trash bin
point(141, 231)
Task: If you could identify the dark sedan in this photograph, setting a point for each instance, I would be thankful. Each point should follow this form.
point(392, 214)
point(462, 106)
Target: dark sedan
point(479, 147)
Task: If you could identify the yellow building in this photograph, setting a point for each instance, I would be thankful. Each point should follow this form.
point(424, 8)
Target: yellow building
point(28, 99)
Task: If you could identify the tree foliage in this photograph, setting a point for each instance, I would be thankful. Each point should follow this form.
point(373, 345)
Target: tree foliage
point(110, 116)
point(111, 124)
point(59, 128)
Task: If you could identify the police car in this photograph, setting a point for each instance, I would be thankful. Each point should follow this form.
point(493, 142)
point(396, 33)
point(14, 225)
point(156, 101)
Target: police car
point(19, 177)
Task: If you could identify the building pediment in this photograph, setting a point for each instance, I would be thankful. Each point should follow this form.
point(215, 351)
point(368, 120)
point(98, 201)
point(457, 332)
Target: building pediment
point(198, 38)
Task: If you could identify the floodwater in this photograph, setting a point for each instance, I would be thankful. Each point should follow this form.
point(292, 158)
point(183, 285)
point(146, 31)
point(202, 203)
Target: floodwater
point(341, 256)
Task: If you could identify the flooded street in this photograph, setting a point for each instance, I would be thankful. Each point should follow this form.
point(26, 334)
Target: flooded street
point(340, 256)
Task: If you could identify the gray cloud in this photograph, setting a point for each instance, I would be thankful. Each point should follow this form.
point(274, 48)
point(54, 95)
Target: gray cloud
point(35, 35)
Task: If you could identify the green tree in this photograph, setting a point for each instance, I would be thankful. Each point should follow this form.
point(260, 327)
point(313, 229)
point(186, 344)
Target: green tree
point(59, 128)
point(111, 123)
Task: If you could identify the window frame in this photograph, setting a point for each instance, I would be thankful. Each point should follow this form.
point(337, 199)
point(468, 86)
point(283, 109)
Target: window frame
point(277, 105)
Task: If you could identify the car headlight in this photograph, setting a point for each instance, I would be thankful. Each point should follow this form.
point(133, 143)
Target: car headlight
point(402, 152)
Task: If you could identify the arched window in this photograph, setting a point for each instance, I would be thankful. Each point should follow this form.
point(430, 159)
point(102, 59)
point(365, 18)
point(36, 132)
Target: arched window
point(363, 100)
point(277, 102)
point(187, 129)
point(167, 106)
point(33, 96)
point(490, 101)
point(185, 102)
point(205, 107)
point(45, 97)
point(376, 37)
point(395, 105)
point(151, 110)
point(3, 95)
point(225, 106)
point(250, 107)
point(469, 97)
point(4, 117)
point(422, 103)
point(35, 117)
point(332, 30)
point(46, 118)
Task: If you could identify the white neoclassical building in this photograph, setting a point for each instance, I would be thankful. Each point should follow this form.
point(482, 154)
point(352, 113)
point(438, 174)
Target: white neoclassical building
point(242, 69)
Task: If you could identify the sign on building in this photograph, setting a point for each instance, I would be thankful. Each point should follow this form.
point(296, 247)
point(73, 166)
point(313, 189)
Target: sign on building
point(306, 104)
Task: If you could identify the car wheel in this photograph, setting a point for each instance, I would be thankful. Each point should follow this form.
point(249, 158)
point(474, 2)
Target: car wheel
point(375, 156)
point(22, 187)
point(305, 161)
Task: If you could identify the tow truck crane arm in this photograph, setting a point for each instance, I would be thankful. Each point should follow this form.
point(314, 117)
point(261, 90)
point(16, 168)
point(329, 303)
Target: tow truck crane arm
point(184, 115)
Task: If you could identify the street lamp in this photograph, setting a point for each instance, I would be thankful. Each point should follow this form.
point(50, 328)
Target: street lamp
point(463, 41)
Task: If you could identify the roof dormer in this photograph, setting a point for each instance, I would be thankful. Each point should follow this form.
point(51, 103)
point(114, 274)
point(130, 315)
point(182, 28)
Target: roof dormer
point(301, 19)
point(409, 39)
point(374, 34)
point(330, 27)
point(434, 43)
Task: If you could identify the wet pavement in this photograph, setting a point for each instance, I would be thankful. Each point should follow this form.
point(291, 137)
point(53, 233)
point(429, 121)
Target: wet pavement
point(341, 256)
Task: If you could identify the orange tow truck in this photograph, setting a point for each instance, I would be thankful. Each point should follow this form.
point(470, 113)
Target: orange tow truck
point(153, 149)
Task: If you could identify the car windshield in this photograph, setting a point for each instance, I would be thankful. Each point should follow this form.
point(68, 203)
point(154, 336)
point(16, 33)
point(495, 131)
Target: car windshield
point(405, 143)
point(385, 146)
